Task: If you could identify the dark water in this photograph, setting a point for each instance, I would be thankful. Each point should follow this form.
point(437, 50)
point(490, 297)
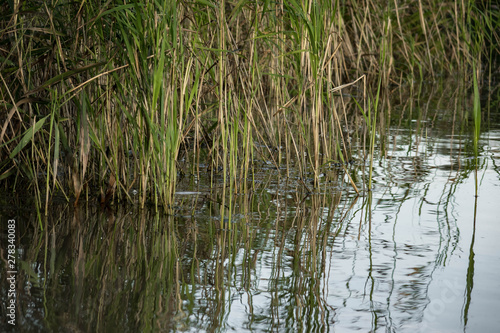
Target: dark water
point(420, 253)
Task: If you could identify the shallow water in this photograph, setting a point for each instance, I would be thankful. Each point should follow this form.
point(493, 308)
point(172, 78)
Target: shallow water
point(418, 253)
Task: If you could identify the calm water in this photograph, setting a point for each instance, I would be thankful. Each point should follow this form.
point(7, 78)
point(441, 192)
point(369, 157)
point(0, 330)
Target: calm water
point(418, 253)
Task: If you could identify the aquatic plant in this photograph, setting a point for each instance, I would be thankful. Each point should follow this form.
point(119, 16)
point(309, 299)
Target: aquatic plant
point(106, 99)
point(476, 111)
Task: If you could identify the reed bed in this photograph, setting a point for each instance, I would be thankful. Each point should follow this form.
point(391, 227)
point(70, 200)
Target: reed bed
point(100, 99)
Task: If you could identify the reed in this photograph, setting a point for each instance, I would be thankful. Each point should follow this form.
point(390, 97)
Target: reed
point(102, 99)
point(476, 111)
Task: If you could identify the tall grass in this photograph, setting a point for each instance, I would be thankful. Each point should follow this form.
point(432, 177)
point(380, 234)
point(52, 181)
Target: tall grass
point(103, 99)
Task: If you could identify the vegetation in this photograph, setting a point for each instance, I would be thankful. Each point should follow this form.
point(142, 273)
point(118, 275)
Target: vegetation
point(102, 98)
point(131, 269)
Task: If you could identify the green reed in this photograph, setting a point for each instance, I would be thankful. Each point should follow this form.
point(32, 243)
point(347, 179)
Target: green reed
point(476, 111)
point(105, 99)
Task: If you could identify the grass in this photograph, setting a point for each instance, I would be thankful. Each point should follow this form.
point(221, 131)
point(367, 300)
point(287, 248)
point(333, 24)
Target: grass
point(103, 98)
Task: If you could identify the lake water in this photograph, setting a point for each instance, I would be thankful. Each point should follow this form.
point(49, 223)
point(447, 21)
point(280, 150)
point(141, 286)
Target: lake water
point(419, 253)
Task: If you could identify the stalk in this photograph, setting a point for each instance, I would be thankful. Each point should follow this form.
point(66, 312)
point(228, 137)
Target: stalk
point(477, 126)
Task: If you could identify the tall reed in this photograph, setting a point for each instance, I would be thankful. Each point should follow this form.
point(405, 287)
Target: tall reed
point(106, 99)
point(476, 111)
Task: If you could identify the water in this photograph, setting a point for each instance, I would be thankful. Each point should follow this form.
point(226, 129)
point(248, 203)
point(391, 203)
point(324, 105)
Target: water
point(420, 253)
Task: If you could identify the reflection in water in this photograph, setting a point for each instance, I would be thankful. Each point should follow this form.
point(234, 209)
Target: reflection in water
point(470, 271)
point(396, 259)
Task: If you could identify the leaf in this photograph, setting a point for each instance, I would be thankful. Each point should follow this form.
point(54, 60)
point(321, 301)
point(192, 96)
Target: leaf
point(28, 135)
point(84, 137)
point(7, 174)
point(206, 3)
point(63, 76)
point(56, 151)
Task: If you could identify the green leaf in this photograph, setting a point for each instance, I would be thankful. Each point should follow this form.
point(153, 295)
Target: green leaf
point(56, 150)
point(27, 136)
point(206, 3)
point(64, 75)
